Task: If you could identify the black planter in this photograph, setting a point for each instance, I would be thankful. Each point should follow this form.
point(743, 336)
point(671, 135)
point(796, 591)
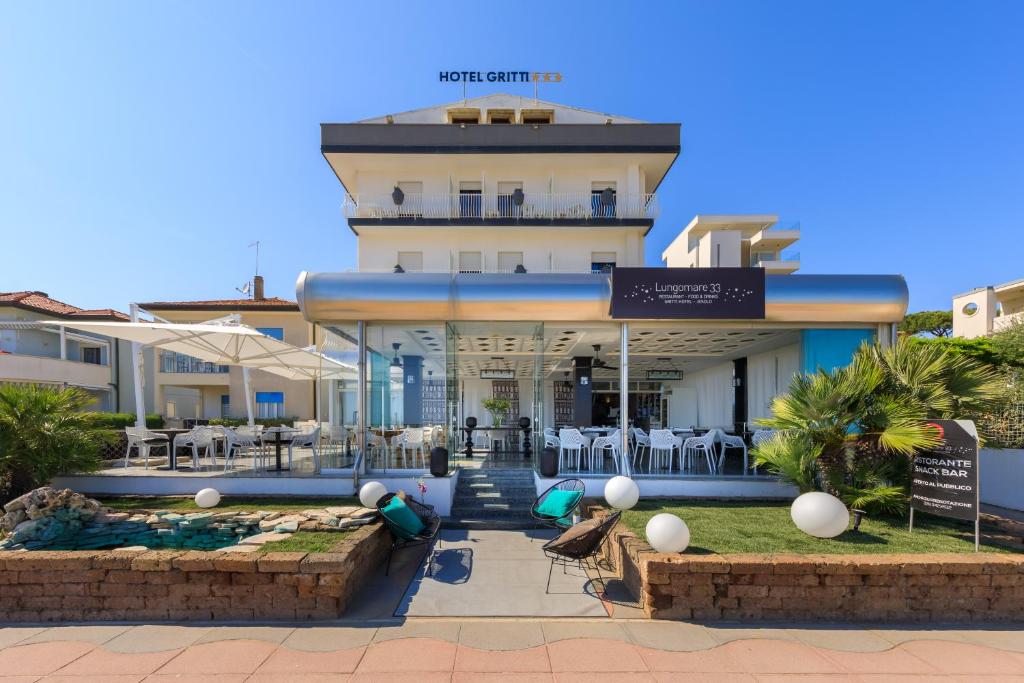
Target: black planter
point(439, 461)
point(549, 462)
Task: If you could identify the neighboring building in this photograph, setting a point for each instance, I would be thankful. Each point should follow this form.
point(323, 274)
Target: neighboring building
point(179, 386)
point(985, 310)
point(58, 355)
point(734, 242)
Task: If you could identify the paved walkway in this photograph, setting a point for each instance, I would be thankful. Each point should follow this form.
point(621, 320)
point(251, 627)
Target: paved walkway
point(426, 650)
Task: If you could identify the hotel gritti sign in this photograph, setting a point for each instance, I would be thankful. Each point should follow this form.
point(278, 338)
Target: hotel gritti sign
point(500, 77)
point(688, 293)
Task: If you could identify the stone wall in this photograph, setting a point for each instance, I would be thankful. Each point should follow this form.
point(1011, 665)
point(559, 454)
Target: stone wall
point(176, 585)
point(912, 587)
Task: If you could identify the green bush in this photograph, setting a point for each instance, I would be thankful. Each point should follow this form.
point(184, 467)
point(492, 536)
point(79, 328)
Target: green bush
point(121, 420)
point(265, 421)
point(43, 434)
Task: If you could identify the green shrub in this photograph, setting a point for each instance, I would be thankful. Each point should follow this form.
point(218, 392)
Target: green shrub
point(265, 421)
point(43, 434)
point(119, 421)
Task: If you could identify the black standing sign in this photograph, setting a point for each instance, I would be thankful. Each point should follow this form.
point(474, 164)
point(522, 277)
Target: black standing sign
point(945, 478)
point(688, 293)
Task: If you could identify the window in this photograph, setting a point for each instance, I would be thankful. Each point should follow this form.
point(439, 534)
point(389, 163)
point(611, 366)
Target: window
point(411, 261)
point(508, 260)
point(171, 409)
point(602, 261)
point(225, 405)
point(469, 199)
point(602, 199)
point(91, 354)
point(507, 206)
point(269, 404)
point(471, 262)
point(464, 116)
point(501, 115)
point(275, 332)
point(538, 116)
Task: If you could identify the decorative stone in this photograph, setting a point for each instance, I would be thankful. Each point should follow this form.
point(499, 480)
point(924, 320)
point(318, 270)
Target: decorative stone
point(260, 539)
point(287, 527)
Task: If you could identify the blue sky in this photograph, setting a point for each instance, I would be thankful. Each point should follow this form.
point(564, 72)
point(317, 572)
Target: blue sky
point(145, 145)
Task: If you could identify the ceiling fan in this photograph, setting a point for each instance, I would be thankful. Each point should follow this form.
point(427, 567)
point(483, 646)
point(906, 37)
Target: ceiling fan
point(599, 364)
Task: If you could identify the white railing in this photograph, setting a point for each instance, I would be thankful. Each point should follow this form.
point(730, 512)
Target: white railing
point(571, 206)
point(1006, 321)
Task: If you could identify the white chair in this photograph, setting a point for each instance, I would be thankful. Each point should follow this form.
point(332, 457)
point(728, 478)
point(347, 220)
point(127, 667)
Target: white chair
point(730, 441)
point(143, 440)
point(603, 445)
point(376, 443)
point(240, 441)
point(696, 445)
point(199, 438)
point(640, 441)
point(663, 443)
point(410, 439)
point(309, 440)
point(573, 442)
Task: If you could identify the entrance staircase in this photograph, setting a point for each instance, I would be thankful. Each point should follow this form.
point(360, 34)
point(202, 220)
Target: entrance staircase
point(493, 498)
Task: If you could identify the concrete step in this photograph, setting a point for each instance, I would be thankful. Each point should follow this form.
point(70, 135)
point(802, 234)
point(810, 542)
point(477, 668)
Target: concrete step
point(495, 523)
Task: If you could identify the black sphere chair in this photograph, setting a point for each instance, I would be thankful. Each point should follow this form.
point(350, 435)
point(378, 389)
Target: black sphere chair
point(564, 485)
point(579, 548)
point(401, 538)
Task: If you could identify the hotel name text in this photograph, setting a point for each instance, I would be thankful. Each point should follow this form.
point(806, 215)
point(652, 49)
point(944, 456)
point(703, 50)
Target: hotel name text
point(500, 77)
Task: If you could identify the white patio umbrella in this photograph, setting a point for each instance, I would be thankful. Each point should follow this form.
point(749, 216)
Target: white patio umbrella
point(223, 343)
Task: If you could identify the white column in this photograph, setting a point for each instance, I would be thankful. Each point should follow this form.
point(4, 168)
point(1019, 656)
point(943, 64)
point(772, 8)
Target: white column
point(63, 344)
point(624, 397)
point(248, 396)
point(137, 373)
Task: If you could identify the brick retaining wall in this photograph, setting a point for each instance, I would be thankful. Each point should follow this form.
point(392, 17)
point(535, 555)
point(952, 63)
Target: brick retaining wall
point(911, 587)
point(177, 585)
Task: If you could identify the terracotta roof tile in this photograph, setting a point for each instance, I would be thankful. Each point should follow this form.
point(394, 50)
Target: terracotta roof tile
point(272, 302)
point(42, 303)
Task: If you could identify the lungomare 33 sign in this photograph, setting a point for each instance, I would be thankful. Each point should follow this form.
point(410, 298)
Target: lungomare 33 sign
point(688, 293)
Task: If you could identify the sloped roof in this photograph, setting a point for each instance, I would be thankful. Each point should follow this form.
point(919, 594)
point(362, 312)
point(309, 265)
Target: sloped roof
point(563, 113)
point(41, 302)
point(269, 303)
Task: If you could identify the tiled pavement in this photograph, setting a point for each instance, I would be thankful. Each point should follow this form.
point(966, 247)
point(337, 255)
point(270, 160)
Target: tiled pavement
point(509, 650)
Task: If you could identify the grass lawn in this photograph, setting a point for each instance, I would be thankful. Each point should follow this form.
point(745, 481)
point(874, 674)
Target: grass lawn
point(766, 527)
point(227, 504)
point(307, 542)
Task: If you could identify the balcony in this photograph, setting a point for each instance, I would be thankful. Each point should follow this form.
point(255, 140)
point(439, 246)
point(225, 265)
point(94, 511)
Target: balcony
point(1007, 320)
point(16, 367)
point(174, 363)
point(784, 264)
point(568, 208)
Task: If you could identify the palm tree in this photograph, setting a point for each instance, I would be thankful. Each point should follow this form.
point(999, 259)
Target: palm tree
point(867, 420)
point(43, 433)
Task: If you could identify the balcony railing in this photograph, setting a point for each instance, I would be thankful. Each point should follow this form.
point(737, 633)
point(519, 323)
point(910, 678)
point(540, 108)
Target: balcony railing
point(177, 362)
point(758, 260)
point(569, 206)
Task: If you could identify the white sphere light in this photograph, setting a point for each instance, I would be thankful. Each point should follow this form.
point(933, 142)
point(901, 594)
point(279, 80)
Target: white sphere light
point(820, 514)
point(668, 533)
point(207, 498)
point(371, 492)
point(622, 493)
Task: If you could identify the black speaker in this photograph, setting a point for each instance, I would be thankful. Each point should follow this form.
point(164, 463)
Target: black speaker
point(439, 461)
point(549, 462)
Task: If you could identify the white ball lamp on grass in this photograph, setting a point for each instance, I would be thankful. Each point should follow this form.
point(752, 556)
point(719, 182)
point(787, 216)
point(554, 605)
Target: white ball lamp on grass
point(371, 492)
point(621, 492)
point(667, 533)
point(208, 498)
point(820, 514)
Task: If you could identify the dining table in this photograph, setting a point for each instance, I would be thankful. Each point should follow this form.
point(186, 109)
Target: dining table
point(172, 459)
point(282, 435)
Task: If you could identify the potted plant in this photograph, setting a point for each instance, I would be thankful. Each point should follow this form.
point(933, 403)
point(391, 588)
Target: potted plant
point(498, 408)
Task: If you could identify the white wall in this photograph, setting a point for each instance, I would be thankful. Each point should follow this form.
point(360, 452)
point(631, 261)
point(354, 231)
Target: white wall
point(1002, 477)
